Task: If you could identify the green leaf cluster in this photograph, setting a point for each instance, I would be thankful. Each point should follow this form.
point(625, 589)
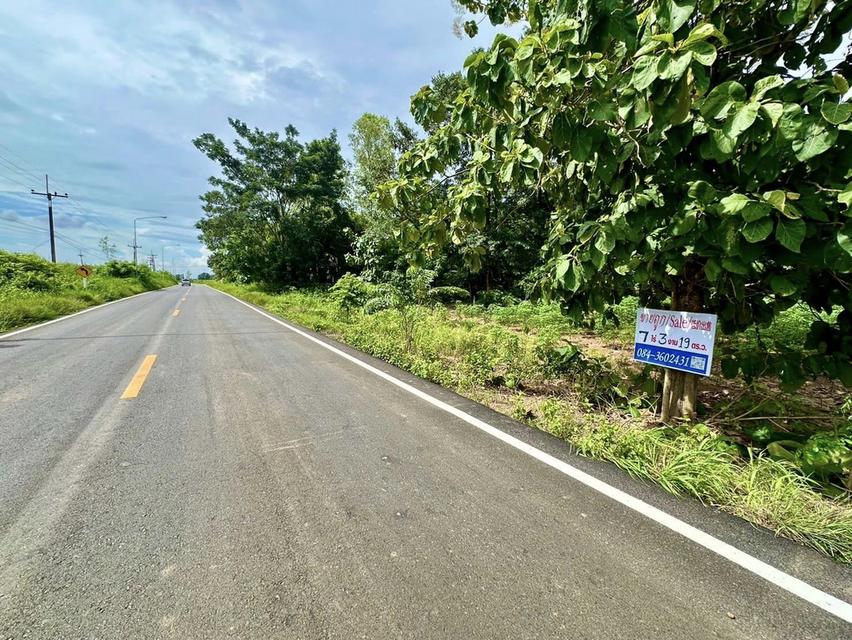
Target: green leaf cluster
point(675, 154)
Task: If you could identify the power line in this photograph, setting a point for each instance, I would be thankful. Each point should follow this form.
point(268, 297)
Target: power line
point(25, 171)
point(21, 171)
point(71, 242)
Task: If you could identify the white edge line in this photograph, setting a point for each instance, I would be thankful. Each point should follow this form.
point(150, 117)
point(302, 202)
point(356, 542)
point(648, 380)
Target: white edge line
point(3, 336)
point(797, 587)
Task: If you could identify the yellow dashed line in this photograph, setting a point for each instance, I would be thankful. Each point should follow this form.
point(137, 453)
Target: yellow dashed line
point(135, 385)
point(175, 313)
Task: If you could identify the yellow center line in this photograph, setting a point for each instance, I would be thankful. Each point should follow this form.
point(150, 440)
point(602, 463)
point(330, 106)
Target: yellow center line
point(135, 385)
point(175, 313)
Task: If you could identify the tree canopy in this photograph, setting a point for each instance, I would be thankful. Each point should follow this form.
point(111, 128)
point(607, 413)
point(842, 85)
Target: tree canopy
point(276, 212)
point(693, 152)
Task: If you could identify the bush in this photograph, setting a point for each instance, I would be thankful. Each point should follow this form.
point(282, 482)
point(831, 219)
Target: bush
point(28, 272)
point(448, 295)
point(350, 292)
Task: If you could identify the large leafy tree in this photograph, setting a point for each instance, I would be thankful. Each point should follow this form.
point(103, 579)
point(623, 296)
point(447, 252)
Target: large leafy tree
point(376, 146)
point(275, 214)
point(693, 151)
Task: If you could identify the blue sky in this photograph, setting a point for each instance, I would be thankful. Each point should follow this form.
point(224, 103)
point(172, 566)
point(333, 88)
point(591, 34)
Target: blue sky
point(107, 96)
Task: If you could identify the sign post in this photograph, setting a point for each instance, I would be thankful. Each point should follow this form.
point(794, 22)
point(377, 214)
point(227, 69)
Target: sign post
point(84, 271)
point(679, 340)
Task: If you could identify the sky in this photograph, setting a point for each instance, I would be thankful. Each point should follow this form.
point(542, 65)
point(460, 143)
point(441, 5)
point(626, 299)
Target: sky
point(106, 97)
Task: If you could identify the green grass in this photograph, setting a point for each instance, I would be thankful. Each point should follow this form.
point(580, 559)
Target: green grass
point(33, 290)
point(510, 359)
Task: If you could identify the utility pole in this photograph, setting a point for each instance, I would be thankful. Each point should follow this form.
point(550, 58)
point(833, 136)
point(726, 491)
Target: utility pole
point(135, 244)
point(81, 258)
point(152, 262)
point(50, 197)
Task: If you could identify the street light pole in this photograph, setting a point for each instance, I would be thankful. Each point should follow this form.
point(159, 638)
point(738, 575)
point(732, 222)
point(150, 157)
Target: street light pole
point(136, 244)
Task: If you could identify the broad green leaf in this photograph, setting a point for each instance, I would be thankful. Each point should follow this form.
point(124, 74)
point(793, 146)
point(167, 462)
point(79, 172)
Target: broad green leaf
point(721, 98)
point(644, 72)
point(758, 230)
point(672, 68)
point(844, 238)
point(774, 110)
point(840, 83)
point(846, 195)
point(562, 267)
point(703, 31)
point(605, 243)
point(712, 269)
point(724, 143)
point(702, 52)
point(685, 224)
point(702, 191)
point(741, 120)
point(667, 38)
point(507, 171)
point(734, 265)
point(673, 14)
point(764, 85)
point(754, 211)
point(603, 111)
point(792, 121)
point(581, 144)
point(734, 203)
point(816, 140)
point(561, 131)
point(836, 113)
point(790, 233)
point(777, 198)
point(782, 286)
point(573, 278)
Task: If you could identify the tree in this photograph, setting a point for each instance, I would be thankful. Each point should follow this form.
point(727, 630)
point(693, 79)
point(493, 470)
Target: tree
point(107, 248)
point(204, 276)
point(678, 156)
point(275, 214)
point(376, 147)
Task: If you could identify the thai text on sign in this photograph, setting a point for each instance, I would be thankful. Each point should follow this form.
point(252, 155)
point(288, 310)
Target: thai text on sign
point(679, 340)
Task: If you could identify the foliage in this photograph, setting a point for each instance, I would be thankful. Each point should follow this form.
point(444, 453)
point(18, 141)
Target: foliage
point(275, 215)
point(108, 248)
point(34, 290)
point(674, 154)
point(376, 146)
point(449, 295)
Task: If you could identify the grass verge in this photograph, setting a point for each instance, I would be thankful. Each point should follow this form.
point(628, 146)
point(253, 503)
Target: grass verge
point(33, 290)
point(576, 397)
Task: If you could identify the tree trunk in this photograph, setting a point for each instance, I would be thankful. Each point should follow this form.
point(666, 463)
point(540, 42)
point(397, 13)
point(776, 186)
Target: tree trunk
point(680, 389)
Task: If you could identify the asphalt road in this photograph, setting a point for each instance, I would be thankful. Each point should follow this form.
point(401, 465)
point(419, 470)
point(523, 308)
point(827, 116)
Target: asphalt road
point(261, 486)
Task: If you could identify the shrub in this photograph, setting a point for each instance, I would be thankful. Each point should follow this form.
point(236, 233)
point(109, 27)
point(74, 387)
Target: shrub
point(449, 295)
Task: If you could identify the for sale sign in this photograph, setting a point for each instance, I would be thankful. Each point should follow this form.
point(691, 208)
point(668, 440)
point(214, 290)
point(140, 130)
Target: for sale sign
point(675, 339)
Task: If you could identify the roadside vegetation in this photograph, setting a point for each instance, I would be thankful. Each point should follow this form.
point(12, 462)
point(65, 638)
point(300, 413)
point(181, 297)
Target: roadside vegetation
point(615, 155)
point(33, 289)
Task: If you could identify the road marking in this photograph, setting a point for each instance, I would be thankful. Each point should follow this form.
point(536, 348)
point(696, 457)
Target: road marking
point(175, 313)
point(135, 385)
point(78, 313)
point(791, 584)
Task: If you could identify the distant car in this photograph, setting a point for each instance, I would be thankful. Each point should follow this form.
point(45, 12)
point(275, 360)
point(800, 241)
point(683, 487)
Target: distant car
point(185, 283)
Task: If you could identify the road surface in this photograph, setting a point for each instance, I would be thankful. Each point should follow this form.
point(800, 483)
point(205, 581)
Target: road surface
point(248, 483)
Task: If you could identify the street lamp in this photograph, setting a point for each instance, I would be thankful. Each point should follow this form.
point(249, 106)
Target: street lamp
point(135, 245)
